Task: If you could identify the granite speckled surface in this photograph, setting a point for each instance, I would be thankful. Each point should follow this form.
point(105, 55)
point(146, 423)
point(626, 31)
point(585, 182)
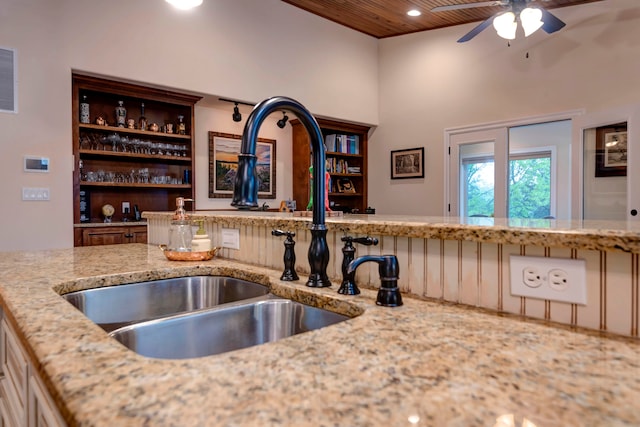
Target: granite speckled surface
point(591, 235)
point(444, 365)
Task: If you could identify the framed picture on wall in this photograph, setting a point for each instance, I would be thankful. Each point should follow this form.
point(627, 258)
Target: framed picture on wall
point(407, 163)
point(223, 165)
point(611, 151)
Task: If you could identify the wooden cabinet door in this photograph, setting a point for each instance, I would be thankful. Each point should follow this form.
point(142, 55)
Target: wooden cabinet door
point(104, 236)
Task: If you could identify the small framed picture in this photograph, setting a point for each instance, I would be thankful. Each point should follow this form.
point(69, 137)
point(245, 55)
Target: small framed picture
point(611, 151)
point(345, 185)
point(407, 163)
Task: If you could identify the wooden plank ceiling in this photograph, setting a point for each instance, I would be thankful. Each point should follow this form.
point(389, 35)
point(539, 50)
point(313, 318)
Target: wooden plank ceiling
point(388, 18)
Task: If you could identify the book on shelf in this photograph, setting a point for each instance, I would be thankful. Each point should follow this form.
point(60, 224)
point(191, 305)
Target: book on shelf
point(342, 143)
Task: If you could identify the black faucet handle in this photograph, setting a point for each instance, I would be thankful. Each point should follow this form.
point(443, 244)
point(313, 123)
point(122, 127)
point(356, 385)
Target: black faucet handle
point(277, 232)
point(289, 258)
point(367, 241)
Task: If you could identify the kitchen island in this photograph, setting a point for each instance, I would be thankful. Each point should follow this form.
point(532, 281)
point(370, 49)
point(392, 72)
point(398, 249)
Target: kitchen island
point(425, 363)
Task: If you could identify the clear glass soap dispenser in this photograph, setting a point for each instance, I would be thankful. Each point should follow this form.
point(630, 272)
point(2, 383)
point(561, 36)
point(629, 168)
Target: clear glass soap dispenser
point(180, 230)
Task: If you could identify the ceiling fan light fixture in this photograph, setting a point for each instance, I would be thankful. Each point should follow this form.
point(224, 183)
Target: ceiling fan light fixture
point(531, 19)
point(506, 25)
point(184, 4)
point(414, 12)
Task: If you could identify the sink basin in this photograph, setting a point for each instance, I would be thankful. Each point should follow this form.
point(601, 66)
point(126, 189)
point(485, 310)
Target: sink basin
point(113, 307)
point(223, 329)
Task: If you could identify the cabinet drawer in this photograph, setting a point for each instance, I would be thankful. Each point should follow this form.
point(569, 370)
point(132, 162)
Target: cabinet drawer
point(42, 410)
point(14, 366)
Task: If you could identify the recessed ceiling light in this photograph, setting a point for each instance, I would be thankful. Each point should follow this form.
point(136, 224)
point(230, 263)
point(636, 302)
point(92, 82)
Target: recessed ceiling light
point(185, 4)
point(414, 12)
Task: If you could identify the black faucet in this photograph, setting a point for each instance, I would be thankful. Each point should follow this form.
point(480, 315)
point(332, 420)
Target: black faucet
point(348, 286)
point(388, 293)
point(245, 192)
point(289, 274)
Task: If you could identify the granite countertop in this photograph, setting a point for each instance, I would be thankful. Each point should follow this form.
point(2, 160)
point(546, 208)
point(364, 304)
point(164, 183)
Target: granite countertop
point(619, 236)
point(424, 363)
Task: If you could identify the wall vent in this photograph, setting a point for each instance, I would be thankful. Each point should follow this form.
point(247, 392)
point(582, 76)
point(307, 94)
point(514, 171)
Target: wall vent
point(8, 81)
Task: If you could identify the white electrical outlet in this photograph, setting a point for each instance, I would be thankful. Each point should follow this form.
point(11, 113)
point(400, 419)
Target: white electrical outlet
point(231, 238)
point(556, 279)
point(126, 207)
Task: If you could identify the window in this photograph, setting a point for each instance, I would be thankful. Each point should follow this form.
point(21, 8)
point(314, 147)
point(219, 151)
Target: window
point(529, 181)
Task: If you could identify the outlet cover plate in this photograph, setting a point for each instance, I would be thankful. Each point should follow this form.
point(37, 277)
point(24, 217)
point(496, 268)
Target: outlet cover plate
point(552, 273)
point(231, 238)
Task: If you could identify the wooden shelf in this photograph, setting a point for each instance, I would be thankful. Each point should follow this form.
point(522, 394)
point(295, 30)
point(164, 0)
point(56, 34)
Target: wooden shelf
point(337, 154)
point(133, 131)
point(160, 106)
point(133, 156)
point(301, 156)
point(131, 185)
point(345, 194)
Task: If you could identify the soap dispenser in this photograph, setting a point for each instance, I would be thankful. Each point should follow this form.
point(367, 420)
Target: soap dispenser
point(201, 241)
point(180, 232)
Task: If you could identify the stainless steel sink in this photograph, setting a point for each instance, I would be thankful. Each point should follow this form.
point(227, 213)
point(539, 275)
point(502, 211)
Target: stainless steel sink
point(223, 329)
point(113, 307)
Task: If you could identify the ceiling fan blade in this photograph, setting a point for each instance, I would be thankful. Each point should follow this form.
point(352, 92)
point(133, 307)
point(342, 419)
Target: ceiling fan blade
point(477, 30)
point(551, 22)
point(469, 5)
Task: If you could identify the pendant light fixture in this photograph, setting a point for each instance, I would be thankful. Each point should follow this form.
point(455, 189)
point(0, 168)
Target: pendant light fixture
point(283, 121)
point(184, 4)
point(237, 117)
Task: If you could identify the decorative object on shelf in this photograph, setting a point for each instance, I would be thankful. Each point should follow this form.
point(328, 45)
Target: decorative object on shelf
point(223, 162)
point(121, 115)
point(611, 151)
point(100, 121)
point(84, 110)
point(108, 211)
point(153, 127)
point(169, 128)
point(327, 189)
point(142, 121)
point(407, 163)
point(131, 124)
point(182, 128)
point(345, 185)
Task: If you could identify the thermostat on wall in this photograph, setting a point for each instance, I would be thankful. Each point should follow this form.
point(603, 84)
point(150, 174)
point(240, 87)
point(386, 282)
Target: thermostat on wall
point(36, 164)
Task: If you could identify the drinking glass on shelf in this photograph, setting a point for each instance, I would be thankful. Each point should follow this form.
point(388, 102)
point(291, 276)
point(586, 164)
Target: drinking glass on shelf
point(124, 143)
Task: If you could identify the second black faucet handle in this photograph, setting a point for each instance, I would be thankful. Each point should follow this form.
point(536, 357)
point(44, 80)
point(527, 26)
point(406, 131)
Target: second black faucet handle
point(367, 240)
point(289, 273)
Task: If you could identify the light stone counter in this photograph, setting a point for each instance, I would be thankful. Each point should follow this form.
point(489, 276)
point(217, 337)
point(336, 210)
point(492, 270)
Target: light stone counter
point(446, 365)
point(618, 236)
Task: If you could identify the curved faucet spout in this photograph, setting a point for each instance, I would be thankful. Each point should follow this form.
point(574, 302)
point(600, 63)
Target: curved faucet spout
point(245, 192)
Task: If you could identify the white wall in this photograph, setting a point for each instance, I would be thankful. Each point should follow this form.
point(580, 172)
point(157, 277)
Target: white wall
point(428, 82)
point(244, 49)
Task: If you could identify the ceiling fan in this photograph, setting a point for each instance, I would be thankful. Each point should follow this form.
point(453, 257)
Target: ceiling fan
point(505, 23)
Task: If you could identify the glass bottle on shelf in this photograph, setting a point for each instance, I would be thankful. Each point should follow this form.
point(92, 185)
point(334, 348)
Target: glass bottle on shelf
point(121, 115)
point(182, 129)
point(142, 121)
point(84, 110)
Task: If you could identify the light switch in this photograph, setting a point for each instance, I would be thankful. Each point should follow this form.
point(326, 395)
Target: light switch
point(35, 194)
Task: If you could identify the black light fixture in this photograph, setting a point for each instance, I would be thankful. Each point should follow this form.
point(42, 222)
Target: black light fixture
point(283, 121)
point(236, 114)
